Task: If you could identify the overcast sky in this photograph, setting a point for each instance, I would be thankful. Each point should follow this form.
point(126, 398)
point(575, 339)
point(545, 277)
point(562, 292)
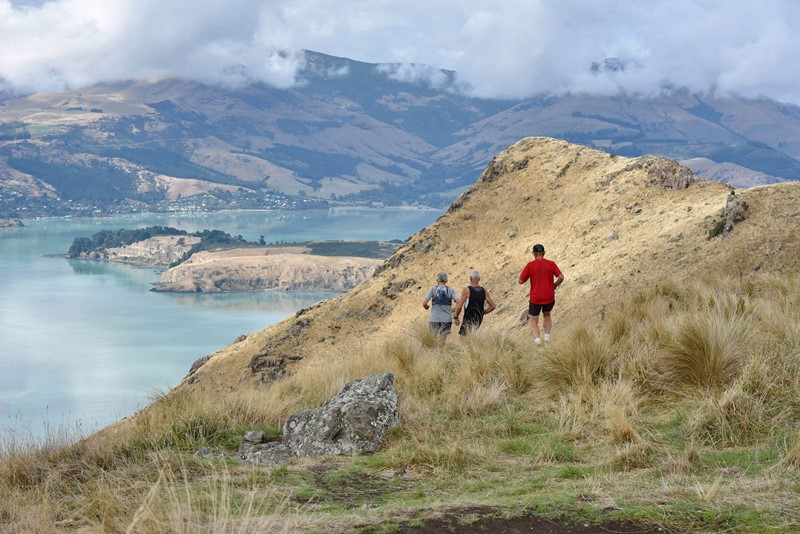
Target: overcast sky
point(509, 48)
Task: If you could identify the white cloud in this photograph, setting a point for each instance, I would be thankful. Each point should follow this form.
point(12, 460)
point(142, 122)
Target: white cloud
point(416, 74)
point(500, 48)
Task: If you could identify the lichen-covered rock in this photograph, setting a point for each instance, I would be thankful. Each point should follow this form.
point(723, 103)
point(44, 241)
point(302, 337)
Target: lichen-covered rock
point(355, 421)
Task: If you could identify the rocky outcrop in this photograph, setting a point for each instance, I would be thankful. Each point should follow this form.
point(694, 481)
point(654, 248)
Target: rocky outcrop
point(246, 270)
point(734, 211)
point(11, 223)
point(355, 421)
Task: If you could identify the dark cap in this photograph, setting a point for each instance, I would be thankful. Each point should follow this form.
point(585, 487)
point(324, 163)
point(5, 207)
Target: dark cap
point(538, 248)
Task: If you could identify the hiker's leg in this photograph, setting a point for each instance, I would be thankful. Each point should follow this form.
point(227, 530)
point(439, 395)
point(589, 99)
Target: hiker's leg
point(446, 328)
point(547, 322)
point(535, 326)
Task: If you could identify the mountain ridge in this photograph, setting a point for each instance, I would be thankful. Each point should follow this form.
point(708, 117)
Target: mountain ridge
point(353, 133)
point(616, 227)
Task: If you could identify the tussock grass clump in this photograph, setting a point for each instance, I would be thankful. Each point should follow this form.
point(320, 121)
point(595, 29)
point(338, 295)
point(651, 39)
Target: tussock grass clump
point(605, 410)
point(622, 431)
point(706, 352)
point(436, 456)
point(635, 455)
point(792, 458)
point(494, 362)
point(482, 399)
point(733, 418)
point(687, 461)
point(579, 359)
point(405, 355)
point(426, 337)
point(191, 418)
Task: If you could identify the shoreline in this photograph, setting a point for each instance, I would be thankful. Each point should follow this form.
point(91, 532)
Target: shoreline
point(138, 264)
point(196, 213)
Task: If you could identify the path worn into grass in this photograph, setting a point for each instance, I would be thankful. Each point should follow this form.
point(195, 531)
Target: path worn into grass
point(481, 521)
point(527, 525)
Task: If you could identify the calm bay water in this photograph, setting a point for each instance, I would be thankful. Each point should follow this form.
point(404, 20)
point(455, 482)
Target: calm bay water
point(83, 344)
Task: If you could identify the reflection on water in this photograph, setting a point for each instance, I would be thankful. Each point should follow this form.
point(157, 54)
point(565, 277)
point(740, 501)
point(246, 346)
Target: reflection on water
point(95, 267)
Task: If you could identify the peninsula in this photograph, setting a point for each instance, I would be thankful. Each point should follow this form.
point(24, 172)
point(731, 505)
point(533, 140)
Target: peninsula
point(215, 262)
point(10, 223)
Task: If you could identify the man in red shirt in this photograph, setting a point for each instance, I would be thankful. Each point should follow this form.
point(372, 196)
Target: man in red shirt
point(545, 277)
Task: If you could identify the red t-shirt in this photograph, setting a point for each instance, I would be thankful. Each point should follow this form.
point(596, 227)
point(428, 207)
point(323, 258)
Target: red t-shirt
point(542, 273)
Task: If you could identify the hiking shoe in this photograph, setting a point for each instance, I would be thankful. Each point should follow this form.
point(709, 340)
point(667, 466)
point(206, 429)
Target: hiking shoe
point(537, 341)
point(547, 338)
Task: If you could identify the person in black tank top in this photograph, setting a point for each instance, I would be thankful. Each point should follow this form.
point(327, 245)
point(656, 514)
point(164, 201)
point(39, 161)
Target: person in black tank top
point(476, 299)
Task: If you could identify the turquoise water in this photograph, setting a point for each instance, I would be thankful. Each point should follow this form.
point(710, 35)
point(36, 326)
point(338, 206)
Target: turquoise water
point(83, 344)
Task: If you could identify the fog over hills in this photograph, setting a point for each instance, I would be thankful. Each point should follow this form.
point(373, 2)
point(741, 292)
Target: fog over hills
point(350, 132)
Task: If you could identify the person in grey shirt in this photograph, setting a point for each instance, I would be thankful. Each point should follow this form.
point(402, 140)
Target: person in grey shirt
point(441, 297)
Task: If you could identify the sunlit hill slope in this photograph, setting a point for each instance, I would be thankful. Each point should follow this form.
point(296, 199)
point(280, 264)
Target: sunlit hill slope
point(614, 225)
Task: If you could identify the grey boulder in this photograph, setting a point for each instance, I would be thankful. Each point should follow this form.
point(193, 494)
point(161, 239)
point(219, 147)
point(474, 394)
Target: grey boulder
point(355, 421)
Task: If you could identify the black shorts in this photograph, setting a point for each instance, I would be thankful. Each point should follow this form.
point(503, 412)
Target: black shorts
point(440, 328)
point(472, 320)
point(534, 309)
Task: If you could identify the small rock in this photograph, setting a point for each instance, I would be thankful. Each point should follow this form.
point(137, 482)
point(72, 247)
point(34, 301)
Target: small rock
point(254, 436)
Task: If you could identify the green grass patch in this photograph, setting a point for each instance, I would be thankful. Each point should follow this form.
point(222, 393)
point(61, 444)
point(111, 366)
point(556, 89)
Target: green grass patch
point(517, 447)
point(554, 449)
point(753, 461)
point(573, 472)
point(699, 516)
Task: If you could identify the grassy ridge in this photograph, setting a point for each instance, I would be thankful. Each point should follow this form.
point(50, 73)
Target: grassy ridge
point(681, 408)
point(359, 249)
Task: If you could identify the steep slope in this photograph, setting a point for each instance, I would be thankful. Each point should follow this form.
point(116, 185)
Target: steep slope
point(614, 225)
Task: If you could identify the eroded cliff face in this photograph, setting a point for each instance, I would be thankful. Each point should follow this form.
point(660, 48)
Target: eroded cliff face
point(158, 251)
point(243, 270)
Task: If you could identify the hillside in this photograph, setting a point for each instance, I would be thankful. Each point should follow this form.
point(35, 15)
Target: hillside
point(348, 129)
point(616, 226)
point(667, 400)
point(351, 132)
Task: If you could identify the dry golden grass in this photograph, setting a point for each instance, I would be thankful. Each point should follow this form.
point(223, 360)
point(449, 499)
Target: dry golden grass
point(175, 504)
point(706, 351)
point(792, 458)
point(687, 461)
point(734, 417)
point(635, 455)
point(578, 359)
point(622, 431)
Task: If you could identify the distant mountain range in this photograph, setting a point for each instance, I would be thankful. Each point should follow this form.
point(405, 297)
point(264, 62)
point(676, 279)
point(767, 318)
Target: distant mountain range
point(351, 132)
